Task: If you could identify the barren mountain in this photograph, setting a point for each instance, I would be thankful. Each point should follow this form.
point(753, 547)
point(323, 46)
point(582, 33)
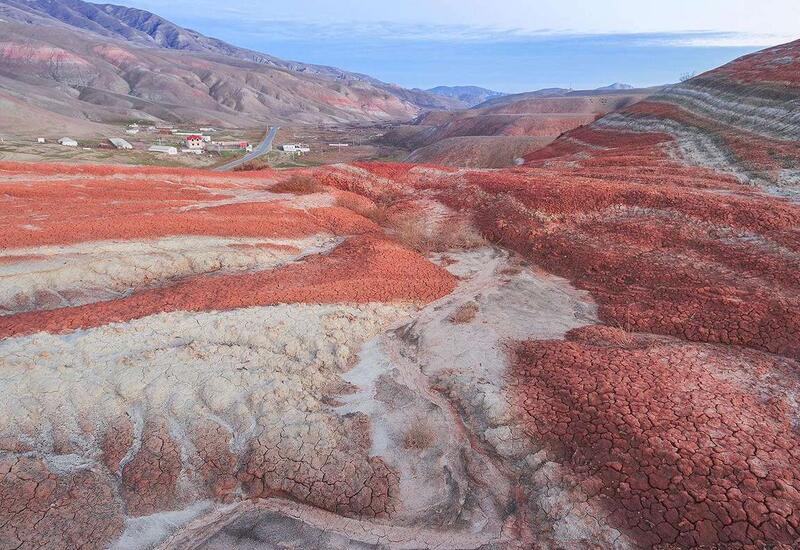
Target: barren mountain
point(616, 86)
point(511, 98)
point(740, 119)
point(493, 134)
point(468, 95)
point(106, 63)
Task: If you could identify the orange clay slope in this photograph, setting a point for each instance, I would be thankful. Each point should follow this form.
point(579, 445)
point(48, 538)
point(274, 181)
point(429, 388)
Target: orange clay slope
point(363, 269)
point(55, 205)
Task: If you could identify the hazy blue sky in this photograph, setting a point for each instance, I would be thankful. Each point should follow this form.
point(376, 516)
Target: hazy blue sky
point(513, 45)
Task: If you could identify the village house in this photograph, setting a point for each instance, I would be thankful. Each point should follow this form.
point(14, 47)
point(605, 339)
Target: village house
point(166, 149)
point(194, 142)
point(295, 148)
point(120, 143)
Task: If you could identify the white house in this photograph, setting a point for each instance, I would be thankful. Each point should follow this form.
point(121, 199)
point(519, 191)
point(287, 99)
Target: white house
point(166, 149)
point(295, 148)
point(68, 142)
point(40, 140)
point(120, 143)
point(194, 141)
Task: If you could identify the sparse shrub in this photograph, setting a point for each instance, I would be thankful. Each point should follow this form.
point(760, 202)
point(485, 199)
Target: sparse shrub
point(353, 202)
point(603, 335)
point(363, 207)
point(511, 270)
point(453, 234)
point(419, 435)
point(298, 184)
point(412, 229)
point(465, 313)
point(253, 165)
point(412, 232)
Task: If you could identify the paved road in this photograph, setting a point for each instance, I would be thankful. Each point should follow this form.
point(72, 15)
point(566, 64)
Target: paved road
point(264, 147)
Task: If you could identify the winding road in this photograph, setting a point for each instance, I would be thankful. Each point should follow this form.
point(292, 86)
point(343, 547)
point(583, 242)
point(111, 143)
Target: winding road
point(264, 147)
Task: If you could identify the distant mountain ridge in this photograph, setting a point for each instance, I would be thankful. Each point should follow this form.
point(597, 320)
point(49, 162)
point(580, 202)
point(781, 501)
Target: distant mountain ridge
point(103, 62)
point(616, 86)
point(143, 28)
point(469, 95)
point(492, 136)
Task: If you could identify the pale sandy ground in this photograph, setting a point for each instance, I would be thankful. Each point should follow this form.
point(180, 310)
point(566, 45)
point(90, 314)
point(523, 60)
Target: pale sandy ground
point(61, 276)
point(454, 491)
point(294, 378)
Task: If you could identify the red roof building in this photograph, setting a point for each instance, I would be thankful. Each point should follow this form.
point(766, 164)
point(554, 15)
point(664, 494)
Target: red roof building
point(194, 142)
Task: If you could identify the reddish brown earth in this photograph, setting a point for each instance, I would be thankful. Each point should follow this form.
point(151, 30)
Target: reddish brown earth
point(80, 509)
point(148, 203)
point(671, 437)
point(362, 270)
point(667, 259)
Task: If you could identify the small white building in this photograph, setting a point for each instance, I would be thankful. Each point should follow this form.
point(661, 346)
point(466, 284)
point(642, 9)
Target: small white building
point(120, 143)
point(166, 149)
point(132, 131)
point(40, 140)
point(68, 142)
point(295, 148)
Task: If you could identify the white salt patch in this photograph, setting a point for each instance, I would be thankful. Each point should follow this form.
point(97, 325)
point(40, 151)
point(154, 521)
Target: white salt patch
point(145, 532)
point(372, 362)
point(78, 274)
